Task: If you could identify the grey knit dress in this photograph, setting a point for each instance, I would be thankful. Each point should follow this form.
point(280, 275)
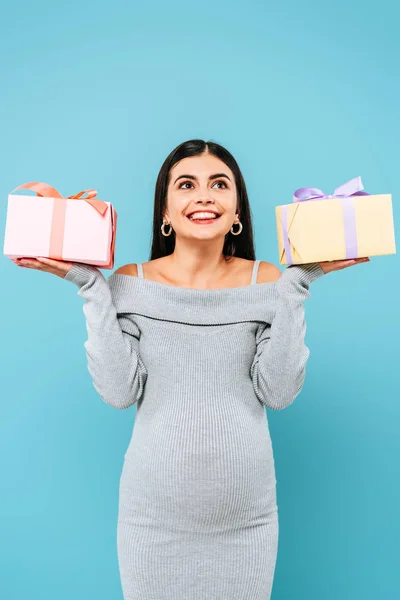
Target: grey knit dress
point(198, 514)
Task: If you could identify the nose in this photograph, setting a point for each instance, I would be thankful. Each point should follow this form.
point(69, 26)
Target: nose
point(205, 200)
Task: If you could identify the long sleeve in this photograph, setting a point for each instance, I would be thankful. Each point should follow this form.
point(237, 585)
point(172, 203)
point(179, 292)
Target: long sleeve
point(112, 348)
point(279, 365)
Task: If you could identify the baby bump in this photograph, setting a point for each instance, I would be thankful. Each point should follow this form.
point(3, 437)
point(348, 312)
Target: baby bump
point(197, 483)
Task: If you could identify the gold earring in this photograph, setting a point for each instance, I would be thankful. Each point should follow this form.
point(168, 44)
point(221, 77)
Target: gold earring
point(163, 230)
point(240, 228)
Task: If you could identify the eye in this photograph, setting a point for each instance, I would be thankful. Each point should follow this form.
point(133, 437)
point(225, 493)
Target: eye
point(220, 181)
point(185, 182)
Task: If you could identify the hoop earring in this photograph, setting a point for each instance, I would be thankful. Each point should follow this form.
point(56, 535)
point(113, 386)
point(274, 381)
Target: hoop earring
point(163, 230)
point(240, 228)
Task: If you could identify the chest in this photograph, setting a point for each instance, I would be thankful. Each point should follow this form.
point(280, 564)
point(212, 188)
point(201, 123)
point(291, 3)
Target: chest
point(211, 349)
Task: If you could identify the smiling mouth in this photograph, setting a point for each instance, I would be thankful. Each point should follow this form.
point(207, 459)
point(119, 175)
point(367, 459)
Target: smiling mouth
point(203, 220)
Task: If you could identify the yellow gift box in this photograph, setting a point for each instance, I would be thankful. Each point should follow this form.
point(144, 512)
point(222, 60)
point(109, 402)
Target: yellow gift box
point(348, 224)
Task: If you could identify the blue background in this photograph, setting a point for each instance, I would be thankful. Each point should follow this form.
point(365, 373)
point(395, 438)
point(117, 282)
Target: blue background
point(302, 94)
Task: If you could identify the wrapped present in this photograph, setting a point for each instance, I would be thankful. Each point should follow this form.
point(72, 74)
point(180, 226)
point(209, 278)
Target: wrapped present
point(350, 223)
point(76, 228)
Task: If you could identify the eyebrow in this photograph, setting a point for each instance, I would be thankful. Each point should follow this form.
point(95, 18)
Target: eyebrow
point(215, 176)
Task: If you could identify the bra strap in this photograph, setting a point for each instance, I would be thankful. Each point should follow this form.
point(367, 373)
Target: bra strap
point(140, 270)
point(255, 271)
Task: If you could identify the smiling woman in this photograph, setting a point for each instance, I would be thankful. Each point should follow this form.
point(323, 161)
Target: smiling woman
point(202, 341)
point(198, 516)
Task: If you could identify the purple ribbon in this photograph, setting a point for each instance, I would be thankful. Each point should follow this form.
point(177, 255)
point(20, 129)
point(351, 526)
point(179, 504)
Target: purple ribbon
point(346, 193)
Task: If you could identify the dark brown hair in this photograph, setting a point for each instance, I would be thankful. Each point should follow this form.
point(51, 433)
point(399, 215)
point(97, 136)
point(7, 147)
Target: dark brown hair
point(241, 245)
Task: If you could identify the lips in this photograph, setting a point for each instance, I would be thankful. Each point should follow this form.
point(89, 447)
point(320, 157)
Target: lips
point(203, 218)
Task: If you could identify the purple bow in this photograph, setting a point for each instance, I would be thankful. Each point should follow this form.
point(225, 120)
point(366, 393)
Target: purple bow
point(345, 192)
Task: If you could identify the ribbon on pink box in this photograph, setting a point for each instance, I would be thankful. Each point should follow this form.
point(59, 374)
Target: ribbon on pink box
point(346, 193)
point(59, 210)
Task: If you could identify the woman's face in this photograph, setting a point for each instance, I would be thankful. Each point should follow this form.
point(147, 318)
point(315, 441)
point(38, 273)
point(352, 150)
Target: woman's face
point(201, 183)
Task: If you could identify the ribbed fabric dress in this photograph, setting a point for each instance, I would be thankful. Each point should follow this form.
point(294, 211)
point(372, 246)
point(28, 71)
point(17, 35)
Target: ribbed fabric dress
point(198, 517)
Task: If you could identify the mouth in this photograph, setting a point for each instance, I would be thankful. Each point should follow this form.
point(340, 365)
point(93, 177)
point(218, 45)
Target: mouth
point(203, 218)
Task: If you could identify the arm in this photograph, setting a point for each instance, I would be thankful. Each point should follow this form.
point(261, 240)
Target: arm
point(279, 365)
point(112, 347)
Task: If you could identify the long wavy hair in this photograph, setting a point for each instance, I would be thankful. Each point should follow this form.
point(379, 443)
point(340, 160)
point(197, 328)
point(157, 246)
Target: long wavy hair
point(241, 245)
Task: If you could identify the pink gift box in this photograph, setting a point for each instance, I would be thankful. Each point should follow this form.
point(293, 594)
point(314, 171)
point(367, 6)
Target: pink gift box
point(74, 229)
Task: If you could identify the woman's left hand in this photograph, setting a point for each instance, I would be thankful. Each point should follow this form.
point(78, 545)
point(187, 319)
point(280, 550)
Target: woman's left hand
point(338, 265)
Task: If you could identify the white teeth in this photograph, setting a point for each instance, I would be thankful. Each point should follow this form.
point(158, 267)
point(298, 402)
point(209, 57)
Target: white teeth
point(203, 215)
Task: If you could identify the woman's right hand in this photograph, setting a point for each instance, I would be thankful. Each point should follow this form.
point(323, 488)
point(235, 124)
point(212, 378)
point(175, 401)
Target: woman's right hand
point(48, 265)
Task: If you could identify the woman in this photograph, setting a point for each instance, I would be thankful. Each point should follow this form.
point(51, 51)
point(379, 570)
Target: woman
point(202, 338)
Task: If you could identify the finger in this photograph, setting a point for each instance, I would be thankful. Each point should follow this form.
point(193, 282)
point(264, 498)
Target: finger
point(49, 261)
point(56, 265)
point(26, 260)
point(360, 260)
point(356, 261)
point(349, 261)
point(31, 263)
point(339, 263)
point(343, 263)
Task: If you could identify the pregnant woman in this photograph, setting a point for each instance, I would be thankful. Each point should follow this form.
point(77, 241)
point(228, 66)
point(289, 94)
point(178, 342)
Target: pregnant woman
point(202, 338)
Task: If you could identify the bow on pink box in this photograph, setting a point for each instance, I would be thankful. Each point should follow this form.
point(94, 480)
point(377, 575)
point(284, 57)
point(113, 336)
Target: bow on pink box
point(59, 211)
point(45, 190)
point(346, 193)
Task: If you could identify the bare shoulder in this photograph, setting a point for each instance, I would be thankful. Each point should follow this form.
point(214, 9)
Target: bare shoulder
point(129, 269)
point(152, 268)
point(268, 272)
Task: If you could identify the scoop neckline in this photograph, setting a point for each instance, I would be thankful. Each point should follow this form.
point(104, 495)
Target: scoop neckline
point(191, 289)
